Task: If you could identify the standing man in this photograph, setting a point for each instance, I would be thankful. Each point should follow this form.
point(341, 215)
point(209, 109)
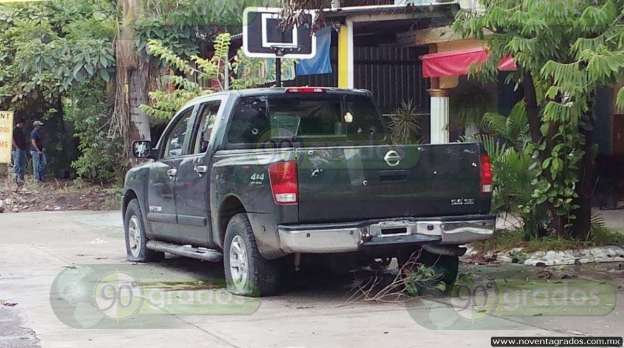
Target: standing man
point(38, 157)
point(19, 152)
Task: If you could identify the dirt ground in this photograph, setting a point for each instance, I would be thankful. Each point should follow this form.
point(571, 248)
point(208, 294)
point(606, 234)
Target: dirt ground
point(56, 195)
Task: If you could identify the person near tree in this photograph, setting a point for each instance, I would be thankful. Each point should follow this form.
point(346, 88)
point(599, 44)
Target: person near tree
point(38, 157)
point(20, 149)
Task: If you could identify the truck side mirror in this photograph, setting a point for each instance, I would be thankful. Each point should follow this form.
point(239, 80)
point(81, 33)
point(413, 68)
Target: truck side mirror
point(143, 149)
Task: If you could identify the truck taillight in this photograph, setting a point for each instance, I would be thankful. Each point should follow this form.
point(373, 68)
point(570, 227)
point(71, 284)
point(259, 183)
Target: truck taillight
point(305, 90)
point(284, 185)
point(486, 174)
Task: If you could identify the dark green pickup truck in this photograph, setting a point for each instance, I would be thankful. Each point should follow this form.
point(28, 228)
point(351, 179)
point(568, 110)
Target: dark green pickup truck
point(267, 178)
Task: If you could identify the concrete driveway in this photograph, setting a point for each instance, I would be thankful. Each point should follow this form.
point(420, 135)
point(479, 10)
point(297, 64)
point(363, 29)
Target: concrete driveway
point(62, 277)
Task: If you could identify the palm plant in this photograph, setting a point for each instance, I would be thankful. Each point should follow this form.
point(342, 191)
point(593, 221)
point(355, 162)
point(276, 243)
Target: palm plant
point(512, 130)
point(405, 124)
point(505, 141)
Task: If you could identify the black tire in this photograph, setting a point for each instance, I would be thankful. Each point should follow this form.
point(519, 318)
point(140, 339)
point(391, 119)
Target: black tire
point(262, 275)
point(444, 265)
point(134, 219)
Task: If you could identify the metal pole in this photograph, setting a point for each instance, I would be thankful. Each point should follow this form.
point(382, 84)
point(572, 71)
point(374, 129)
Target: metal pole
point(226, 73)
point(278, 71)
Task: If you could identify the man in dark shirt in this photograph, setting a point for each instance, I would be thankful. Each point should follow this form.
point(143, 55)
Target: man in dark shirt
point(38, 157)
point(19, 152)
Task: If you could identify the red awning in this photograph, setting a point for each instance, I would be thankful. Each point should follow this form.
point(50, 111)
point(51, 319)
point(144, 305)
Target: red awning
point(457, 63)
point(507, 64)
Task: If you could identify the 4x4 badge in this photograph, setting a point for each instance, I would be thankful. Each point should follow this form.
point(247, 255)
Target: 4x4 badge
point(392, 158)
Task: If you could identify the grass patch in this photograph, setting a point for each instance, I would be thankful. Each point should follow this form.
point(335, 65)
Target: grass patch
point(502, 240)
point(606, 236)
point(505, 240)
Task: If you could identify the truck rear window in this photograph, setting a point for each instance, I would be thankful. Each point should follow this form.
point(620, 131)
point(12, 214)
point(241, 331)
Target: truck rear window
point(306, 120)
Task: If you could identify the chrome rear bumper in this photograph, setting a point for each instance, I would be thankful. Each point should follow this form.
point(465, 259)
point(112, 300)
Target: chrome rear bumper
point(337, 238)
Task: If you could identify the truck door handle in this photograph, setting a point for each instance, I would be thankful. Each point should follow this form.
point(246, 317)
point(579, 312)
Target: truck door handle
point(201, 170)
point(172, 172)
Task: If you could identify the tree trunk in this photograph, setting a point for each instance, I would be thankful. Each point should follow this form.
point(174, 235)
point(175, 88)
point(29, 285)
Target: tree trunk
point(131, 81)
point(530, 98)
point(557, 223)
point(585, 187)
point(138, 95)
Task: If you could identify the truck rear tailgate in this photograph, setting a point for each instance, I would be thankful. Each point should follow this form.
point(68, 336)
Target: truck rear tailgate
point(347, 183)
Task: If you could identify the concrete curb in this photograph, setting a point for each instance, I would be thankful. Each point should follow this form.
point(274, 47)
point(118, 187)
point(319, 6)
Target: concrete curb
point(581, 256)
point(554, 258)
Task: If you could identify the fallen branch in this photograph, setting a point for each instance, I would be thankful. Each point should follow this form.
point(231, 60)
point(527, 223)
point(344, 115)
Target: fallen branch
point(412, 279)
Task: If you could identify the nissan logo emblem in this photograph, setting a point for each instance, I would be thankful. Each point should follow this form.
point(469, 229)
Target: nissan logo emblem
point(392, 158)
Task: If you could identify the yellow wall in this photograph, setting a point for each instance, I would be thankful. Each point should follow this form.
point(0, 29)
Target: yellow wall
point(343, 57)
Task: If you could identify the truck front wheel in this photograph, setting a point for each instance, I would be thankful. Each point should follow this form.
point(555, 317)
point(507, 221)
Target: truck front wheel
point(247, 273)
point(136, 239)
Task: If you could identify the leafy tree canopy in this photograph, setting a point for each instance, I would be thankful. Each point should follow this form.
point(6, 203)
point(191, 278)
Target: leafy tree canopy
point(187, 26)
point(188, 78)
point(46, 47)
point(565, 50)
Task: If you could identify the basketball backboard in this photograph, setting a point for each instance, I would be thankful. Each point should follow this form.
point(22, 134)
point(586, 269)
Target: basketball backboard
point(264, 36)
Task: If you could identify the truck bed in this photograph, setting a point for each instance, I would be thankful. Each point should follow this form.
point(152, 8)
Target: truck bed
point(350, 183)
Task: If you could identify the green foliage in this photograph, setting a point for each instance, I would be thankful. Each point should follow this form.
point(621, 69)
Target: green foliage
point(185, 80)
point(513, 130)
point(247, 71)
point(188, 26)
point(601, 235)
point(405, 124)
point(423, 279)
point(46, 48)
point(568, 49)
point(58, 54)
point(505, 240)
point(255, 72)
point(518, 256)
point(188, 78)
point(470, 101)
point(164, 104)
point(512, 180)
point(88, 109)
point(167, 56)
point(506, 144)
point(221, 47)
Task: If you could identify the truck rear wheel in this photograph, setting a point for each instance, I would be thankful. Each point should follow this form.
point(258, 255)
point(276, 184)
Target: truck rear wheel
point(447, 267)
point(136, 240)
point(247, 273)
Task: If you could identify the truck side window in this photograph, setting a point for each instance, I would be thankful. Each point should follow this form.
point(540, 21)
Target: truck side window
point(250, 123)
point(207, 119)
point(179, 134)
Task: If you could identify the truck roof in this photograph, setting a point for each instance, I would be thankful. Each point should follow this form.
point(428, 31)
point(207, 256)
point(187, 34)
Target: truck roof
point(250, 92)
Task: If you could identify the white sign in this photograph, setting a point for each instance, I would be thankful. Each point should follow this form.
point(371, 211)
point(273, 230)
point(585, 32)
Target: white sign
point(6, 136)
